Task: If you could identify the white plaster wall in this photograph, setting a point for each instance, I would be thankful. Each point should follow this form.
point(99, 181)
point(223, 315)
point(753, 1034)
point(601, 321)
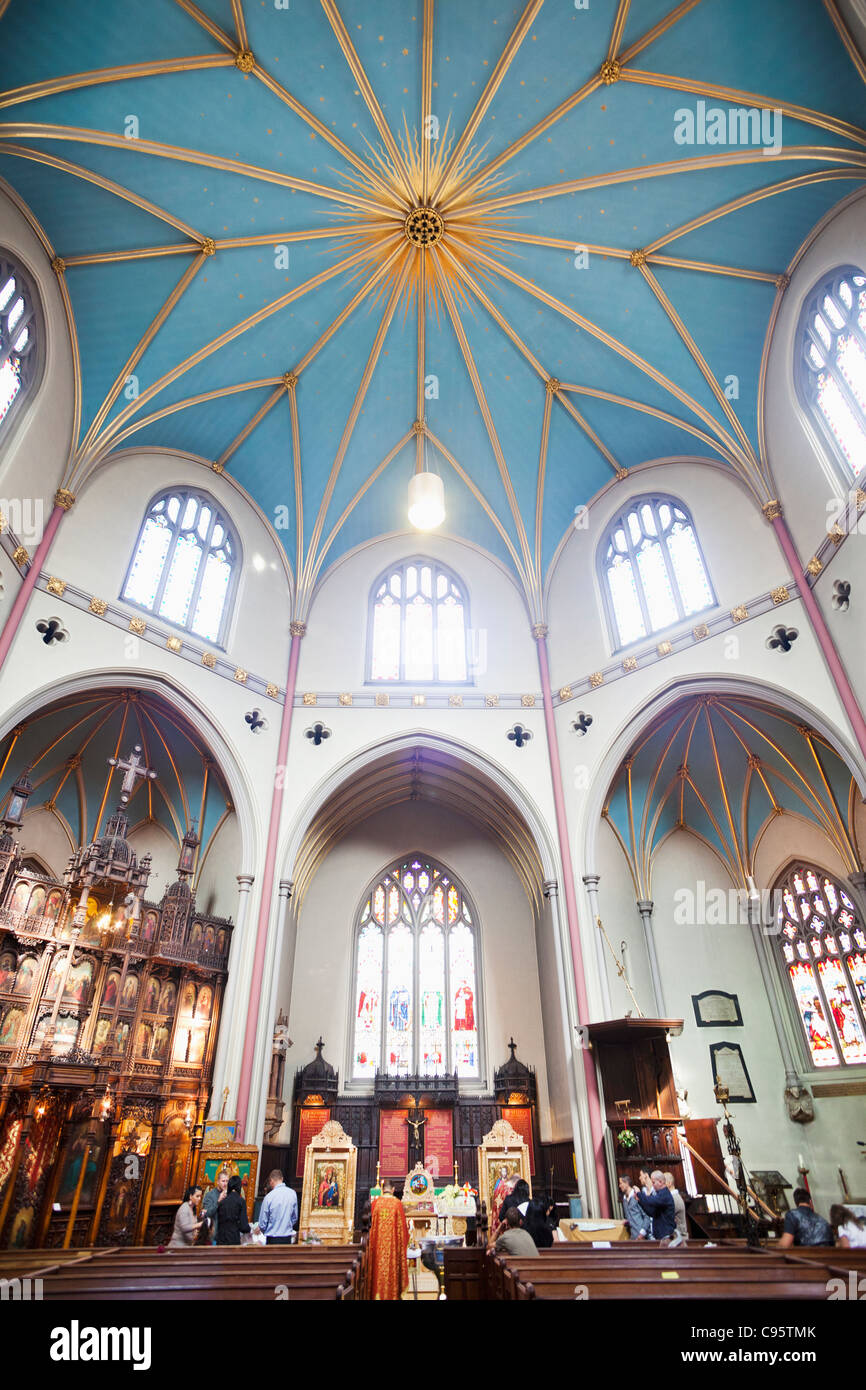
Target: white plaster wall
point(318, 999)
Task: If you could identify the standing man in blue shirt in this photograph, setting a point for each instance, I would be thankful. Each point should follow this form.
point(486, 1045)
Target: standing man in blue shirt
point(279, 1212)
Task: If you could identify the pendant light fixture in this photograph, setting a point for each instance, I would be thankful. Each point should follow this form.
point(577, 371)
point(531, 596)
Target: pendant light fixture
point(426, 492)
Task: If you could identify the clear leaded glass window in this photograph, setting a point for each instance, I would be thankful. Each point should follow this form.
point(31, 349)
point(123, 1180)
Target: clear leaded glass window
point(823, 947)
point(185, 563)
point(418, 625)
point(832, 378)
point(415, 1001)
point(652, 569)
point(17, 336)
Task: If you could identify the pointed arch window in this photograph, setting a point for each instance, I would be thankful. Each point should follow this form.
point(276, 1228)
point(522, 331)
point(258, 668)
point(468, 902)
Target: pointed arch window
point(832, 366)
point(652, 570)
point(186, 564)
point(419, 625)
point(822, 943)
point(18, 337)
point(415, 999)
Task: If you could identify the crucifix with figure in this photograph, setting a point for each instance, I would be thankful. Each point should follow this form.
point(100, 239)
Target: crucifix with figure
point(132, 768)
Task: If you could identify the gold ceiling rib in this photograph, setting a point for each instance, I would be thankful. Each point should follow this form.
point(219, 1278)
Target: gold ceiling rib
point(506, 58)
point(622, 254)
point(207, 23)
point(107, 138)
point(109, 434)
point(737, 97)
point(240, 25)
point(482, 502)
point(845, 35)
point(539, 486)
point(306, 579)
point(78, 170)
point(545, 376)
point(648, 410)
point(189, 401)
point(619, 23)
point(192, 248)
point(248, 428)
point(139, 253)
point(369, 96)
point(110, 710)
point(533, 595)
point(574, 100)
point(746, 452)
point(426, 98)
point(139, 350)
point(350, 506)
point(855, 158)
point(613, 343)
point(97, 76)
point(421, 371)
point(299, 480)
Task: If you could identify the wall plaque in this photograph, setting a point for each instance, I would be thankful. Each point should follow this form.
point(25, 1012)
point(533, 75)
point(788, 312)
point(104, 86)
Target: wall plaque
point(729, 1066)
point(715, 1007)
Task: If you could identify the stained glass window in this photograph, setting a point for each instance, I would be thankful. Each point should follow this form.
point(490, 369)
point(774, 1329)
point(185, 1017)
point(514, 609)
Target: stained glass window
point(18, 336)
point(185, 564)
point(416, 992)
point(822, 945)
point(832, 376)
point(418, 625)
point(653, 573)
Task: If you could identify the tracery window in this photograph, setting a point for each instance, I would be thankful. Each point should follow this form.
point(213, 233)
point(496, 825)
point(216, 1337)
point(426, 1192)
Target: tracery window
point(418, 625)
point(653, 573)
point(823, 947)
point(185, 564)
point(415, 1001)
point(832, 376)
point(18, 336)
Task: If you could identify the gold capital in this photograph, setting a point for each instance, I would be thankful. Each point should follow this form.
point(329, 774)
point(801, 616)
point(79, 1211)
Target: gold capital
point(772, 509)
point(539, 630)
point(297, 628)
point(64, 498)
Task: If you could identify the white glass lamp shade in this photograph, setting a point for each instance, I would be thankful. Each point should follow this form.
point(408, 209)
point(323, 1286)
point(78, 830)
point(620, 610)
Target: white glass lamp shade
point(426, 501)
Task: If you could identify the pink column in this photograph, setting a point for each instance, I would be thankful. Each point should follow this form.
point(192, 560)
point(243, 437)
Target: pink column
point(595, 1119)
point(825, 641)
point(22, 598)
point(298, 630)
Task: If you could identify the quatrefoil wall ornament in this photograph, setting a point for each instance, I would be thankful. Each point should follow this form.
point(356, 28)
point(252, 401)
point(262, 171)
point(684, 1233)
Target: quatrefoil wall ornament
point(519, 735)
point(254, 718)
point(782, 639)
point(581, 723)
point(317, 733)
point(841, 599)
point(51, 630)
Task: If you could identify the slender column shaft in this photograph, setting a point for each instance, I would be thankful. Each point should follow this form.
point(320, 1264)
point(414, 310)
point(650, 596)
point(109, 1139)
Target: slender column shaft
point(248, 1057)
point(582, 1152)
point(595, 1118)
point(645, 908)
point(22, 598)
point(822, 632)
point(760, 943)
point(261, 1074)
point(225, 1045)
point(591, 881)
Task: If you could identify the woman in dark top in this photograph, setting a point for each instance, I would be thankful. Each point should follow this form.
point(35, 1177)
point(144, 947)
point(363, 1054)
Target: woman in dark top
point(233, 1215)
point(537, 1223)
point(516, 1197)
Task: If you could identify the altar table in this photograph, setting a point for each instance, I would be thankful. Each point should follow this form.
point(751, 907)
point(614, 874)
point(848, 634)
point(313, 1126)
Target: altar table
point(586, 1230)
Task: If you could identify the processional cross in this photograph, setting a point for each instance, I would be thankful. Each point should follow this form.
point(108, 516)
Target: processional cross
point(416, 1127)
point(132, 768)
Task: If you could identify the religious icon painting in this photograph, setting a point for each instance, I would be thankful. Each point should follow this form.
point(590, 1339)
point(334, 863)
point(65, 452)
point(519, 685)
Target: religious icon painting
point(329, 1185)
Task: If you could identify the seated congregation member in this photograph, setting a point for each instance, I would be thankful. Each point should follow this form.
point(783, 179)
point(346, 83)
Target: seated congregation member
point(516, 1197)
point(514, 1240)
point(186, 1226)
point(803, 1225)
point(849, 1223)
point(659, 1205)
point(538, 1223)
point(233, 1215)
point(639, 1224)
point(279, 1211)
point(679, 1208)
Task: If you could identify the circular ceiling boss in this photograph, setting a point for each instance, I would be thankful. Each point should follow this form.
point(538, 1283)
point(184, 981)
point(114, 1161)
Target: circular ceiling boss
point(423, 227)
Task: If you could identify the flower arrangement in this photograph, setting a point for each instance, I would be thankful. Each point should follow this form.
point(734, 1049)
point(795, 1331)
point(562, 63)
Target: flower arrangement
point(627, 1139)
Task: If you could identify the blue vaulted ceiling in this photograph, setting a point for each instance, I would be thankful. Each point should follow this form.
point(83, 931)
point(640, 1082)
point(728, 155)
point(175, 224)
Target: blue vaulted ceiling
point(293, 137)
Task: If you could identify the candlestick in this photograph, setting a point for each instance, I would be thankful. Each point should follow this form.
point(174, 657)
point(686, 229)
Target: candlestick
point(456, 1179)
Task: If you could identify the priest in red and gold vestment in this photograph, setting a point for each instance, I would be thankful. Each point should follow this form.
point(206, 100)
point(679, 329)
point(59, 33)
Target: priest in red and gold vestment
point(386, 1252)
